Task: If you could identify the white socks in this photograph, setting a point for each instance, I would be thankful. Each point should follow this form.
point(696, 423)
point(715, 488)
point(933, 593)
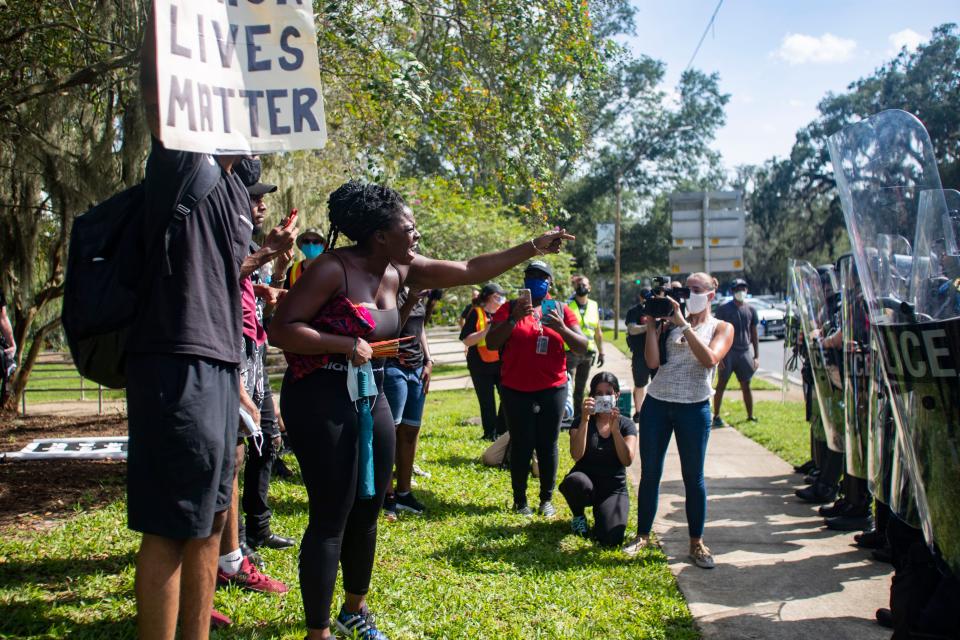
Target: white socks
point(230, 563)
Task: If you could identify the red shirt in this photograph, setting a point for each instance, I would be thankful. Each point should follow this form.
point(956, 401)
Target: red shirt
point(521, 367)
point(251, 326)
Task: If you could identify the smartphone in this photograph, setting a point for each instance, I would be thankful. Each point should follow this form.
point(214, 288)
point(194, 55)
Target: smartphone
point(289, 221)
point(547, 306)
point(524, 294)
point(604, 404)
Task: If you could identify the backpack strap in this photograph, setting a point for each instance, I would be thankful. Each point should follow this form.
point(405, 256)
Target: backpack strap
point(201, 180)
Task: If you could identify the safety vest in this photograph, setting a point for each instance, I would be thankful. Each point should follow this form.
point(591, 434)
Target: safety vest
point(295, 272)
point(589, 320)
point(487, 355)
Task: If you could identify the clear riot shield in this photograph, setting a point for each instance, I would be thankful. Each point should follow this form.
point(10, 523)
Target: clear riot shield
point(792, 339)
point(820, 322)
point(889, 186)
point(857, 370)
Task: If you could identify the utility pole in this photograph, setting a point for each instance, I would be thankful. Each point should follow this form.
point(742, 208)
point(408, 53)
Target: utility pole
point(616, 261)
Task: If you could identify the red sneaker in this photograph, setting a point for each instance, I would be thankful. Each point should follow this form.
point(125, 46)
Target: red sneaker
point(218, 620)
point(249, 577)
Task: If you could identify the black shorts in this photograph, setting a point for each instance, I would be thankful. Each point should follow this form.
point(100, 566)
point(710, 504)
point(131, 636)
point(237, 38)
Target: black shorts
point(737, 362)
point(642, 374)
point(183, 413)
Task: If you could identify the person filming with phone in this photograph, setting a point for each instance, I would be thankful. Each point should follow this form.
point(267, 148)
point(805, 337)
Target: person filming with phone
point(530, 332)
point(685, 351)
point(603, 444)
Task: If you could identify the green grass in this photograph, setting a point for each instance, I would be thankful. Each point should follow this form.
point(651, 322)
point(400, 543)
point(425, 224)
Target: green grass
point(782, 428)
point(62, 376)
point(450, 370)
point(468, 569)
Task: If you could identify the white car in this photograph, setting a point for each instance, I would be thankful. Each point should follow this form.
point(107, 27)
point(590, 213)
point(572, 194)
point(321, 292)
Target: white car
point(772, 321)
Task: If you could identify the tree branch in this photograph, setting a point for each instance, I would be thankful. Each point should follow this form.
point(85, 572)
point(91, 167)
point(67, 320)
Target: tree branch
point(87, 75)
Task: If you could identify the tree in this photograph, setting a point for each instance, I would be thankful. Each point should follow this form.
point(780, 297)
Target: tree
point(794, 209)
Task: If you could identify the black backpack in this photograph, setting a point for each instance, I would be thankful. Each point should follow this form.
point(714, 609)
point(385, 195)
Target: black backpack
point(107, 269)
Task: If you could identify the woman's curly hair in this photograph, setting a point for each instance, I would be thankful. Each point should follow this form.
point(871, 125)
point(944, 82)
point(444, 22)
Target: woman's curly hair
point(359, 209)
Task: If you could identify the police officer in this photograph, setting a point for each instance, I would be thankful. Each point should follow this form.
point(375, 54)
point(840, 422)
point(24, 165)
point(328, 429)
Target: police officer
point(588, 313)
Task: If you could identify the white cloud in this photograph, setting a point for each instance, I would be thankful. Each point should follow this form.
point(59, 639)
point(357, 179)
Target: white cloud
point(799, 48)
point(907, 38)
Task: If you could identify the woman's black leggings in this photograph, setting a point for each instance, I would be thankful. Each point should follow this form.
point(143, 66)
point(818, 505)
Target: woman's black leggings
point(342, 529)
point(484, 384)
point(609, 499)
point(533, 419)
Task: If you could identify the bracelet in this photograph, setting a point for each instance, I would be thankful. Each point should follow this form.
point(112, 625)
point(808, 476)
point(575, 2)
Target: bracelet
point(536, 248)
point(356, 341)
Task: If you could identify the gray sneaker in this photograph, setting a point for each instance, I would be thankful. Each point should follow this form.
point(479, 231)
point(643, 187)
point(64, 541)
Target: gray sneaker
point(522, 510)
point(636, 545)
point(547, 510)
point(717, 423)
point(417, 471)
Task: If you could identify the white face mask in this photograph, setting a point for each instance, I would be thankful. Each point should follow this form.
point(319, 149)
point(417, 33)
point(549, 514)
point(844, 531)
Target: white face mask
point(697, 302)
point(740, 296)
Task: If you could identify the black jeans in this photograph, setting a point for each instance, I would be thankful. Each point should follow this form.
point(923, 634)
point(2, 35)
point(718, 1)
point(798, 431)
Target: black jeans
point(533, 419)
point(579, 369)
point(484, 384)
point(610, 501)
point(257, 471)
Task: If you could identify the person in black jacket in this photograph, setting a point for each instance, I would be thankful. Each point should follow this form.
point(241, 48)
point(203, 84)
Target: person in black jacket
point(484, 363)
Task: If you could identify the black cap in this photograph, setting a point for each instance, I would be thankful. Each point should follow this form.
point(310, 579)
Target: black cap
point(739, 282)
point(261, 188)
point(539, 265)
point(490, 288)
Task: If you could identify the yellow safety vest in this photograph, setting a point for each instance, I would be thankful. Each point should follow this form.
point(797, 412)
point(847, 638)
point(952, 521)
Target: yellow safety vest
point(295, 272)
point(487, 355)
point(589, 320)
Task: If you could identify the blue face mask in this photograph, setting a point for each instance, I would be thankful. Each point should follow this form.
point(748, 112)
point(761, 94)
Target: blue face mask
point(538, 287)
point(312, 250)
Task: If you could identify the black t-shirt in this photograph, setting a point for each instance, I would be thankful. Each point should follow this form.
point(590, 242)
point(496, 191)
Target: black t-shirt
point(196, 310)
point(743, 318)
point(635, 316)
point(411, 351)
point(474, 361)
point(466, 312)
point(600, 457)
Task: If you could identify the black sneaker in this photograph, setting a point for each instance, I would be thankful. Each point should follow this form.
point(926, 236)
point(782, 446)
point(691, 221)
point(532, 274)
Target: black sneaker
point(252, 555)
point(390, 507)
point(409, 503)
point(358, 625)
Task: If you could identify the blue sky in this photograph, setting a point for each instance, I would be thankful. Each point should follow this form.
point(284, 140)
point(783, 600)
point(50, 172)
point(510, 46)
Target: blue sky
point(779, 58)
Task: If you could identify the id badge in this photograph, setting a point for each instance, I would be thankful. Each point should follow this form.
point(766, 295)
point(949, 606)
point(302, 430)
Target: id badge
point(543, 342)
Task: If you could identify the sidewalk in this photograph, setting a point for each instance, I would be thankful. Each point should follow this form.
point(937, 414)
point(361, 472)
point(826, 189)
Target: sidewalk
point(780, 573)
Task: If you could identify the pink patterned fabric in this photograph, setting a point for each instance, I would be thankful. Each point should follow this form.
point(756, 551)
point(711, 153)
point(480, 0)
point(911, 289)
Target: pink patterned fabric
point(338, 316)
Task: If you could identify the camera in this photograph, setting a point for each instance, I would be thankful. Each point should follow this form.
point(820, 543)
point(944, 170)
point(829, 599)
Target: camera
point(658, 306)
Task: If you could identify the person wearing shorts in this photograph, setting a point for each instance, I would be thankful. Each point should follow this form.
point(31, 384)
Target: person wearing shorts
point(739, 359)
point(406, 380)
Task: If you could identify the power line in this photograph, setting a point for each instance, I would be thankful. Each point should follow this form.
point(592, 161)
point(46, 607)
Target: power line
point(705, 31)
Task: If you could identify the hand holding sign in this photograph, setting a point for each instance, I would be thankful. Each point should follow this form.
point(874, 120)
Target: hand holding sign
point(238, 77)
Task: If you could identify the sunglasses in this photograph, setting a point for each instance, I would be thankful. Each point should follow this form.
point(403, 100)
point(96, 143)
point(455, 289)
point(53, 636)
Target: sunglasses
point(311, 241)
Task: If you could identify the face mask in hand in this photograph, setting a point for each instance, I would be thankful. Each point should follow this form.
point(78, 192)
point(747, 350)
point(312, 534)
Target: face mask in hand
point(698, 302)
point(740, 296)
point(538, 287)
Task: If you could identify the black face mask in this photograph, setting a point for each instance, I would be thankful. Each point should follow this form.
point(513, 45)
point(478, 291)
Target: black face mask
point(249, 171)
point(582, 290)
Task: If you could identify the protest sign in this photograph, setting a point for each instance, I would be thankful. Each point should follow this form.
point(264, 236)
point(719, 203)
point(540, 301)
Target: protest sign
point(238, 76)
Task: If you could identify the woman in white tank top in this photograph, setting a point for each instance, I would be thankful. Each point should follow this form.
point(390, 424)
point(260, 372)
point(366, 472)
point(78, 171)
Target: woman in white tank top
point(678, 401)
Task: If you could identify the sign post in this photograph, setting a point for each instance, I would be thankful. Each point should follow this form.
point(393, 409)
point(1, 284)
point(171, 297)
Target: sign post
point(708, 231)
point(238, 77)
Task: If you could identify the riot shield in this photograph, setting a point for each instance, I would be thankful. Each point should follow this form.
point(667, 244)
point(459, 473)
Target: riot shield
point(820, 323)
point(889, 186)
point(791, 339)
point(857, 370)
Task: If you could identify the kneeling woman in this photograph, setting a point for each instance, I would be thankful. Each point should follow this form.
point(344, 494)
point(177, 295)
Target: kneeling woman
point(603, 444)
point(347, 297)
